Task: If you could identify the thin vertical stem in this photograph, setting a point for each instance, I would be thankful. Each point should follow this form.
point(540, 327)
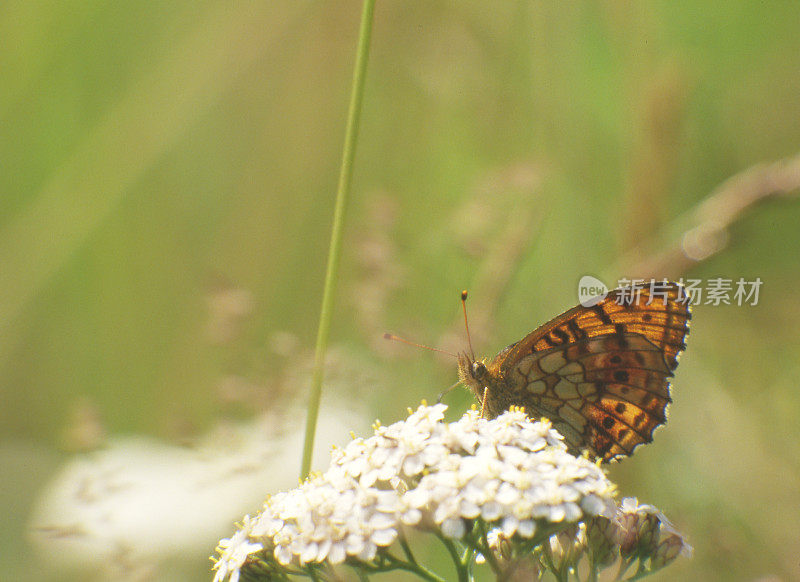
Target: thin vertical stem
point(334, 251)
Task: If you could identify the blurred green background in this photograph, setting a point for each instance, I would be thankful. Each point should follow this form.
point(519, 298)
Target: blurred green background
point(168, 173)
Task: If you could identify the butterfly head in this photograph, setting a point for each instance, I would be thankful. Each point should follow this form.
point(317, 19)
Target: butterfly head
point(472, 373)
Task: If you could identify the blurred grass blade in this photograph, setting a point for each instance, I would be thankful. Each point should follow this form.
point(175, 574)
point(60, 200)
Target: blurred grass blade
point(334, 251)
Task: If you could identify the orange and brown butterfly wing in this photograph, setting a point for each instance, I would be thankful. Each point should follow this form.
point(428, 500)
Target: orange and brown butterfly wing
point(599, 373)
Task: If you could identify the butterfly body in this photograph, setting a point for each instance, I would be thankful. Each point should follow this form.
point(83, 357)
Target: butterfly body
point(599, 373)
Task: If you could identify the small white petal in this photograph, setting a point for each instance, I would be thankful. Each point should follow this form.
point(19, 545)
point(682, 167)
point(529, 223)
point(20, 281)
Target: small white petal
point(309, 552)
point(469, 509)
point(572, 512)
point(354, 544)
point(526, 528)
point(382, 521)
point(283, 554)
point(416, 497)
point(509, 525)
point(491, 511)
point(368, 551)
point(453, 528)
point(384, 537)
point(411, 516)
point(413, 465)
point(557, 513)
point(337, 553)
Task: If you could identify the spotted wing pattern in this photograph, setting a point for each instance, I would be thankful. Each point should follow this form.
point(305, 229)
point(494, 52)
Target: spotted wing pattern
point(599, 373)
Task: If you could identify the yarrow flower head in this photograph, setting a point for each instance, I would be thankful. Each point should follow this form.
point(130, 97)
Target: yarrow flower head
point(457, 480)
point(234, 551)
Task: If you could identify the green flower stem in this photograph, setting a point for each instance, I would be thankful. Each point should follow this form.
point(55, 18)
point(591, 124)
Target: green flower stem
point(468, 563)
point(548, 562)
point(406, 548)
point(463, 576)
point(481, 542)
point(468, 555)
point(290, 572)
point(592, 575)
point(398, 564)
point(334, 251)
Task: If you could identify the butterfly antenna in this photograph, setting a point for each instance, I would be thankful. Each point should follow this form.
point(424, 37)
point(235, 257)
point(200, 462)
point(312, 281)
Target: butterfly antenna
point(391, 336)
point(466, 323)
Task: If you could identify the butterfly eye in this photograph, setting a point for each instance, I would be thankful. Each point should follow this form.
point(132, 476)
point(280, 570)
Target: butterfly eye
point(478, 370)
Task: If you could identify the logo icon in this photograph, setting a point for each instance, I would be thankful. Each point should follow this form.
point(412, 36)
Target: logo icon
point(591, 291)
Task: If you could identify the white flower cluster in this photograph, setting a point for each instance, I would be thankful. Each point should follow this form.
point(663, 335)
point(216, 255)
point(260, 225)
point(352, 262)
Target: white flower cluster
point(234, 552)
point(635, 532)
point(329, 517)
point(510, 471)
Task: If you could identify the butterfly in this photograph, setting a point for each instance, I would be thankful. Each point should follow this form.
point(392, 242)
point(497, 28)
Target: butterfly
point(599, 373)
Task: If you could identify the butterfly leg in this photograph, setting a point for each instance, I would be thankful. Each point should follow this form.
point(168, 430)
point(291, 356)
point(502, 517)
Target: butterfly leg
point(483, 401)
point(442, 395)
